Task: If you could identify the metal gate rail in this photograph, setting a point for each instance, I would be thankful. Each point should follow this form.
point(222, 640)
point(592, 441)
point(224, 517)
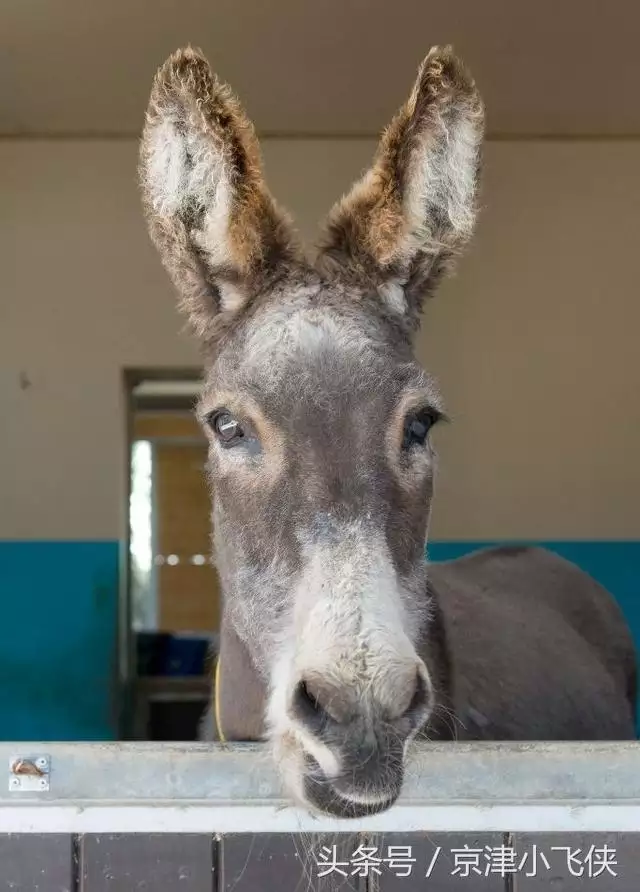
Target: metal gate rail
point(80, 788)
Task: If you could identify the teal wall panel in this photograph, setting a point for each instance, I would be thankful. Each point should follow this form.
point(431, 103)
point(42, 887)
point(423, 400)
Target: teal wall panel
point(58, 632)
point(58, 640)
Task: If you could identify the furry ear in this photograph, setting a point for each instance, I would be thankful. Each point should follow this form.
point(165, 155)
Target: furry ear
point(401, 225)
point(219, 233)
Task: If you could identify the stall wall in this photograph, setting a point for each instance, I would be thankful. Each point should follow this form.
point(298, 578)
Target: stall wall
point(534, 343)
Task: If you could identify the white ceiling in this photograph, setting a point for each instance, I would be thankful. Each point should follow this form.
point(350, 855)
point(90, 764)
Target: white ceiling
point(549, 67)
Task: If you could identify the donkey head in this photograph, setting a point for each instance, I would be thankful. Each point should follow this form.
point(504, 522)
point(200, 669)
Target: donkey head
point(317, 415)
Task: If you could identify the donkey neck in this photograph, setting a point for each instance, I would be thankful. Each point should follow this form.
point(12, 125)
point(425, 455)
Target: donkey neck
point(434, 649)
point(241, 692)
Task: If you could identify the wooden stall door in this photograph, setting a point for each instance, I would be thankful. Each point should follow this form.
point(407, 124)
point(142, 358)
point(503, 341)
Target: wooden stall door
point(188, 591)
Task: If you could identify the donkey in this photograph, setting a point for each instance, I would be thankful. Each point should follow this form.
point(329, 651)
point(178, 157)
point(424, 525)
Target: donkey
point(340, 643)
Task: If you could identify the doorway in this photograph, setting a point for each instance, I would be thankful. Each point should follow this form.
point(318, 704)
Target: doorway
point(173, 593)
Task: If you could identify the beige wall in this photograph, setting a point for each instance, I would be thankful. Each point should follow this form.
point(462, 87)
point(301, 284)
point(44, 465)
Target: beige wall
point(535, 341)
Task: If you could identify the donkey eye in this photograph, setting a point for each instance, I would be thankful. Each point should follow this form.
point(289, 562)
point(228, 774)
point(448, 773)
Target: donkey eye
point(227, 428)
point(417, 427)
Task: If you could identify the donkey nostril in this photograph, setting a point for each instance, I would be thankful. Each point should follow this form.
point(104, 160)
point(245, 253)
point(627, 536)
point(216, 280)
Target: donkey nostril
point(309, 693)
point(306, 704)
point(317, 705)
point(420, 702)
point(418, 695)
point(321, 705)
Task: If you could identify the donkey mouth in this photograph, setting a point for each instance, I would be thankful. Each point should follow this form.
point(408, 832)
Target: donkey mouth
point(337, 798)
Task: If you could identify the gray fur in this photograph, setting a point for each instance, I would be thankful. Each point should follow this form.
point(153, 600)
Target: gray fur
point(339, 642)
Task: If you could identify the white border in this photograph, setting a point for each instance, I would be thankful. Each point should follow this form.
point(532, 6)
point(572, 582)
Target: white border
point(221, 819)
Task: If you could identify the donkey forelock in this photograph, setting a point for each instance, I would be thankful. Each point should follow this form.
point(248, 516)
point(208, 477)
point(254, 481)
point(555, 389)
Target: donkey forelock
point(317, 414)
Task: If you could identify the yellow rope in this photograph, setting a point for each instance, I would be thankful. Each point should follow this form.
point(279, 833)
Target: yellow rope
point(216, 704)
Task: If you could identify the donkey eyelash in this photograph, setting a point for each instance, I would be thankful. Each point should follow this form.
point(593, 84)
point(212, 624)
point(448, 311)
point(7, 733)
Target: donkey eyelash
point(210, 417)
point(440, 417)
point(437, 415)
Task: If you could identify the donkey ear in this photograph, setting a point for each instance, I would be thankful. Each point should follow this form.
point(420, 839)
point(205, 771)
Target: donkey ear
point(402, 224)
point(219, 233)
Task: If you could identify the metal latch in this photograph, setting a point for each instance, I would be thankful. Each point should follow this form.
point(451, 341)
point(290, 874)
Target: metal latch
point(29, 773)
